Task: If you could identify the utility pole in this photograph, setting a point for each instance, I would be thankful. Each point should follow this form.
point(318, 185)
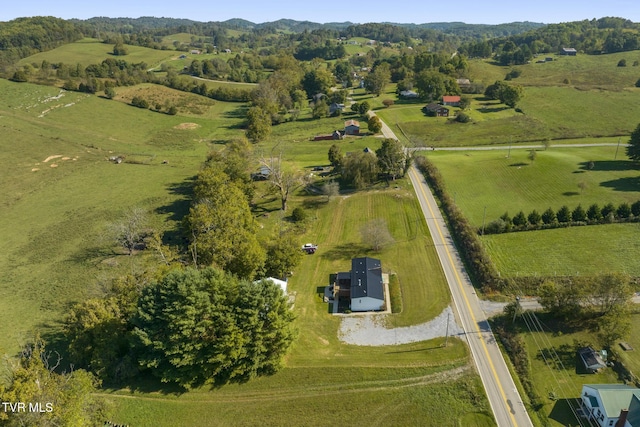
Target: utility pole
point(446, 339)
point(616, 156)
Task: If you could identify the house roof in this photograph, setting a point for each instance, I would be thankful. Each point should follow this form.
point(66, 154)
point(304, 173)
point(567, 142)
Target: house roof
point(451, 98)
point(634, 412)
point(366, 278)
point(352, 123)
point(591, 358)
point(614, 397)
point(569, 49)
point(435, 107)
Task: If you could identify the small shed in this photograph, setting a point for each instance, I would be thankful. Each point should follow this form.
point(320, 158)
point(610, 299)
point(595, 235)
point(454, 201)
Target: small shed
point(454, 101)
point(352, 127)
point(335, 107)
point(569, 51)
point(591, 359)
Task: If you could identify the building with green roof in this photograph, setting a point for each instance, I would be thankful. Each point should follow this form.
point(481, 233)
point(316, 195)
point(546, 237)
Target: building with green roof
point(611, 405)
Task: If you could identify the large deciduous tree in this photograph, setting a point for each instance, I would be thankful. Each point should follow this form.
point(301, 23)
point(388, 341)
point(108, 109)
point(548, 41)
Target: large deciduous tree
point(283, 254)
point(360, 169)
point(221, 227)
point(391, 158)
point(377, 79)
point(284, 180)
point(374, 124)
point(205, 326)
point(258, 124)
point(375, 234)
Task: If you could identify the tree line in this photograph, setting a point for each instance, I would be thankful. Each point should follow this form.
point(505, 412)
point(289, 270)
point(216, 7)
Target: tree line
point(565, 217)
point(596, 36)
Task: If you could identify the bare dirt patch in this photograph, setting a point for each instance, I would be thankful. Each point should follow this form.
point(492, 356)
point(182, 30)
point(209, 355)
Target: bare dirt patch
point(187, 126)
point(55, 156)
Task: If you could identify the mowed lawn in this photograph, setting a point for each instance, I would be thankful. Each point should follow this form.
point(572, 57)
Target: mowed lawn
point(480, 180)
point(422, 382)
point(92, 51)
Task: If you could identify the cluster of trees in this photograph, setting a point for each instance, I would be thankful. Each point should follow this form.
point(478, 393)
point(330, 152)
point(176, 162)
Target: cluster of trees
point(245, 67)
point(604, 300)
point(221, 229)
point(596, 36)
point(184, 326)
point(565, 217)
point(362, 168)
point(506, 93)
point(57, 399)
point(23, 37)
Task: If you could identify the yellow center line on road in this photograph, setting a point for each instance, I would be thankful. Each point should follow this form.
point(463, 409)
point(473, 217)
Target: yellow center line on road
point(466, 300)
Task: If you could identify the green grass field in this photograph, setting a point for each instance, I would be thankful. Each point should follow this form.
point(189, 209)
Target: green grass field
point(55, 251)
point(488, 179)
point(479, 179)
point(92, 51)
point(55, 210)
point(567, 251)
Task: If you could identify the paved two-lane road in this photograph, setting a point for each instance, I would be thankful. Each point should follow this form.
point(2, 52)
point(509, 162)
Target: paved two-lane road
point(503, 396)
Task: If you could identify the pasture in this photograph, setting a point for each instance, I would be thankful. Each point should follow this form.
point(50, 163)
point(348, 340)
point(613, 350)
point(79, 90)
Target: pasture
point(62, 193)
point(480, 180)
point(91, 51)
point(506, 180)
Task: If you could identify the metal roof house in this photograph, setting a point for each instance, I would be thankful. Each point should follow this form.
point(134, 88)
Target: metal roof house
point(367, 289)
point(363, 286)
point(611, 405)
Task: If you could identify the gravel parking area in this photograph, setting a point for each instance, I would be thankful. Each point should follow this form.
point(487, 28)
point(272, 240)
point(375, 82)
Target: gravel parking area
point(369, 330)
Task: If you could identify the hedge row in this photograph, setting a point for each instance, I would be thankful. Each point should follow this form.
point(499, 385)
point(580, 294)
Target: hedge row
point(478, 263)
point(564, 217)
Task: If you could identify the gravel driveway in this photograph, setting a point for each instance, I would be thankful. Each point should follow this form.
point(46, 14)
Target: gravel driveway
point(369, 330)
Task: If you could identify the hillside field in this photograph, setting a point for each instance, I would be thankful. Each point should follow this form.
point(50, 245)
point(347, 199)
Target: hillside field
point(91, 51)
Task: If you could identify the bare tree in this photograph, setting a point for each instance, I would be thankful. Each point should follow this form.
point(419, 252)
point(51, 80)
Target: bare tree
point(284, 180)
point(331, 189)
point(130, 231)
point(376, 235)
